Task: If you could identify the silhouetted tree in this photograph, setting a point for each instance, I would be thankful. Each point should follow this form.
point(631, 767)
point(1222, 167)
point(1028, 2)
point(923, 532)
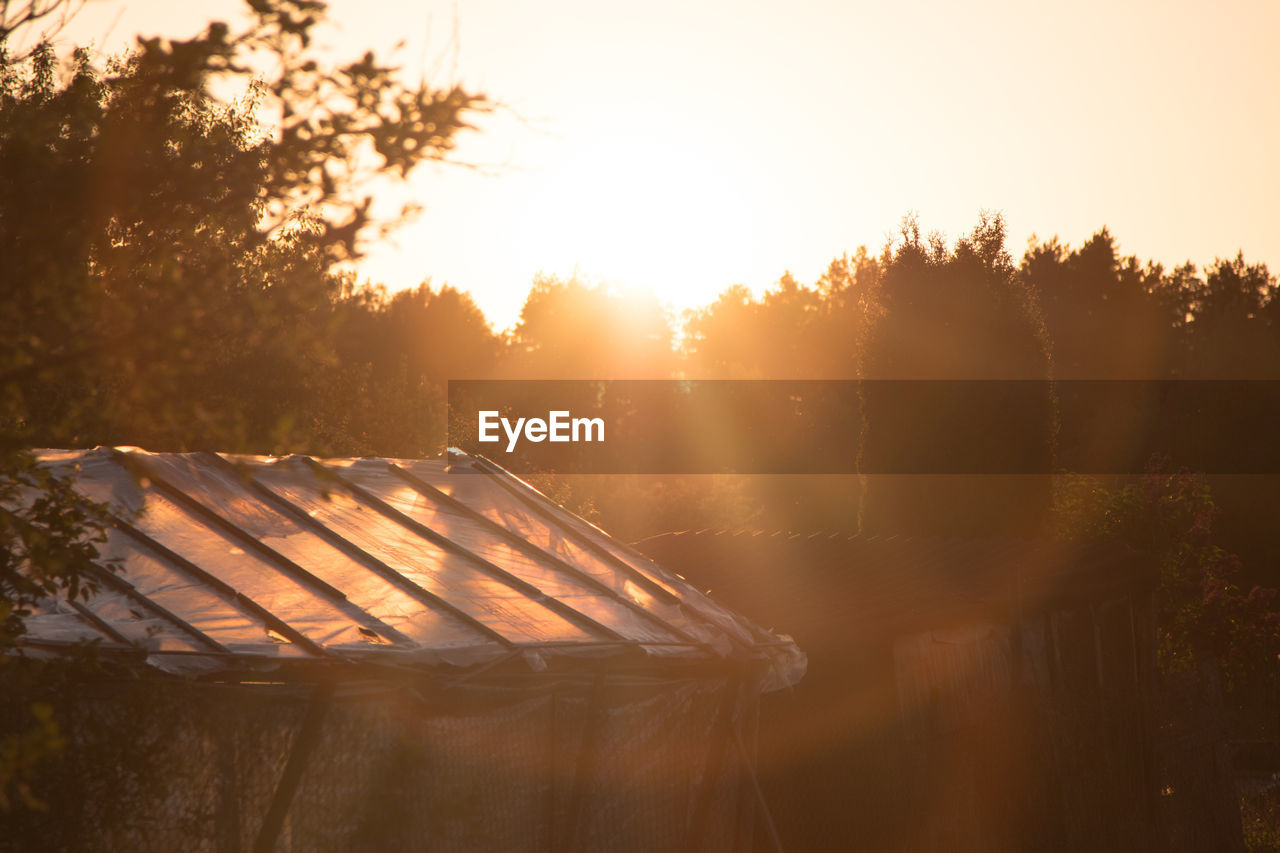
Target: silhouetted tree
point(793, 331)
point(160, 242)
point(1202, 606)
point(1107, 317)
point(955, 314)
point(572, 330)
point(384, 393)
point(1232, 333)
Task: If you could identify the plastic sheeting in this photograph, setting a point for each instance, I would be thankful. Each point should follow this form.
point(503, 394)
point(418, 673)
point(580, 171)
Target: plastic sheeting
point(577, 765)
point(420, 561)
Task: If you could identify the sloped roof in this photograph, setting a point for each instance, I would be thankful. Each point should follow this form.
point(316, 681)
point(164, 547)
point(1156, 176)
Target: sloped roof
point(833, 589)
point(230, 559)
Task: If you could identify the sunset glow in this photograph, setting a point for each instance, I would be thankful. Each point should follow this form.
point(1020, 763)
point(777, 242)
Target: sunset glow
point(641, 212)
point(686, 147)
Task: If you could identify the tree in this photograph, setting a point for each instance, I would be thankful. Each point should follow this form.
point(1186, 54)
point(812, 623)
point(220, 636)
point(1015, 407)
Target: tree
point(394, 358)
point(47, 16)
point(1107, 316)
point(573, 330)
point(793, 331)
point(798, 332)
point(956, 313)
point(1202, 609)
point(153, 233)
point(1232, 333)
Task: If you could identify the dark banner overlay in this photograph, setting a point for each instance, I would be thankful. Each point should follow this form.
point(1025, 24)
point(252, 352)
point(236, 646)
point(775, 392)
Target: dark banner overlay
point(869, 426)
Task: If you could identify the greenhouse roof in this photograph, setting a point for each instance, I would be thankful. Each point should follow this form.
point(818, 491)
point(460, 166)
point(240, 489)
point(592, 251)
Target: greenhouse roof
point(227, 561)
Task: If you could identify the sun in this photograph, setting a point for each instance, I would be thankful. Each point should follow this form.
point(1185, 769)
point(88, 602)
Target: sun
point(638, 210)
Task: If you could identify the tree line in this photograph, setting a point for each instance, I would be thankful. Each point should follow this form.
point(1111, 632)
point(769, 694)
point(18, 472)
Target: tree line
point(285, 355)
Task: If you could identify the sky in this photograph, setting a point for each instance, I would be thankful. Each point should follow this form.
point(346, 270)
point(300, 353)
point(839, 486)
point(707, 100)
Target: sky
point(688, 146)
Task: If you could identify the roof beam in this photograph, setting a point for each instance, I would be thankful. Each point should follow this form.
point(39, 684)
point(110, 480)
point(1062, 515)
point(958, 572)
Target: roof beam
point(519, 584)
point(131, 592)
point(358, 554)
point(177, 560)
point(529, 549)
point(195, 507)
point(99, 623)
point(499, 476)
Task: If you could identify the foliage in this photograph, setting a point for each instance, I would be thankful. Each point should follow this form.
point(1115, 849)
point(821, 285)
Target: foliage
point(22, 754)
point(1088, 295)
point(1260, 820)
point(48, 542)
point(955, 313)
point(27, 16)
point(1201, 607)
point(573, 330)
point(393, 359)
point(159, 237)
point(793, 331)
